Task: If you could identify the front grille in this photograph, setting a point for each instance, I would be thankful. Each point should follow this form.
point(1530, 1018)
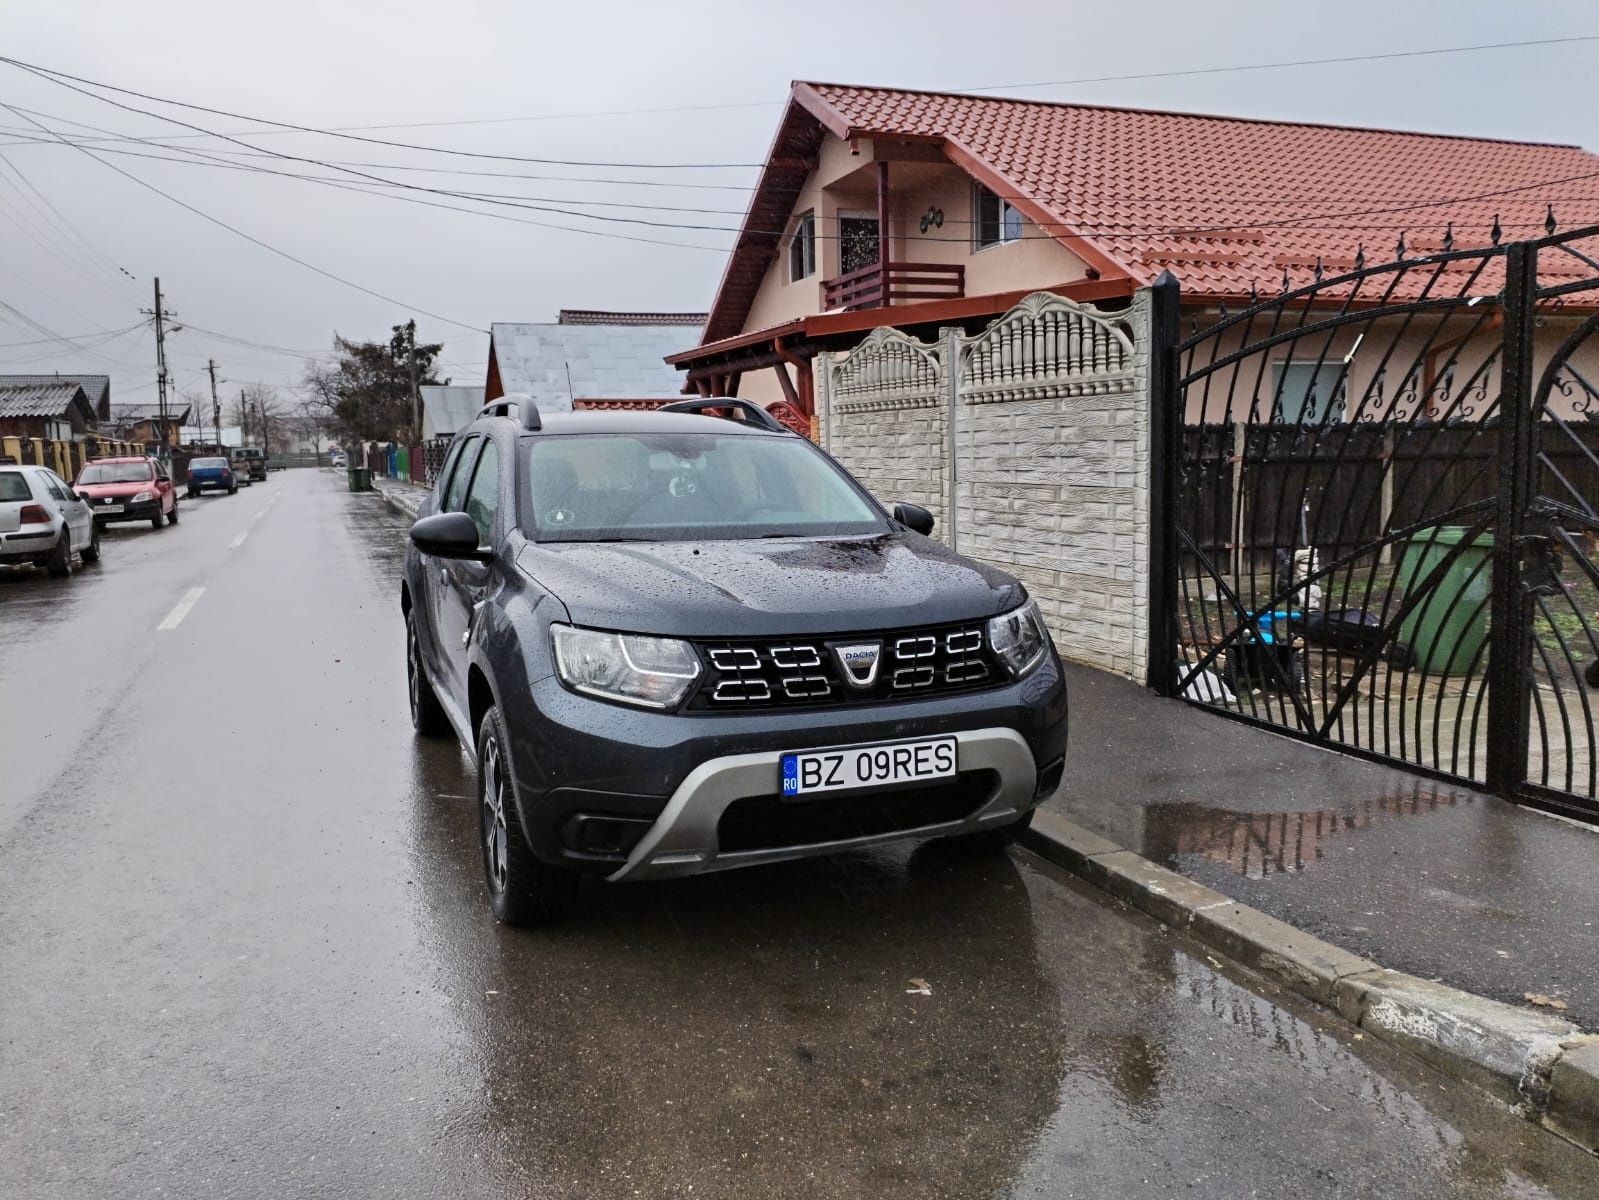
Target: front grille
point(771, 822)
point(810, 672)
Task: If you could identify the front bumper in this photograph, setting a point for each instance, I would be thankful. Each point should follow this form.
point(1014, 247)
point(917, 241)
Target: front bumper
point(684, 838)
point(142, 511)
point(670, 778)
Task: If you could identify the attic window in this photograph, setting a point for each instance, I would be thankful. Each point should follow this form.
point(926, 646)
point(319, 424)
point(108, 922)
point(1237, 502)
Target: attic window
point(996, 223)
point(802, 248)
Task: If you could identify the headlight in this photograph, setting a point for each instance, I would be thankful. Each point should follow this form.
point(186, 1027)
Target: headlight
point(650, 671)
point(1019, 638)
point(143, 496)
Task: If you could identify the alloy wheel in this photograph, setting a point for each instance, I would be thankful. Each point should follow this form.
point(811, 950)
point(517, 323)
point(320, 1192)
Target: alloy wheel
point(496, 848)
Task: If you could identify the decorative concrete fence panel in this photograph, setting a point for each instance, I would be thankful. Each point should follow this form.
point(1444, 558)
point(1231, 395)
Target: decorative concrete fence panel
point(1029, 442)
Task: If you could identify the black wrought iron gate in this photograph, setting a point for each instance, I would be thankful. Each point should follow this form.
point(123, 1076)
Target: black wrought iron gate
point(1381, 498)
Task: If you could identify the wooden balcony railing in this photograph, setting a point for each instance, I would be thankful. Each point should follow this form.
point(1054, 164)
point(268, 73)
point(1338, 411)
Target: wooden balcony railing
point(875, 286)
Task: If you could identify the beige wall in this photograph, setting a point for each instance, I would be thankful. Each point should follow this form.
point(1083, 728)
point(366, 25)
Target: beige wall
point(845, 182)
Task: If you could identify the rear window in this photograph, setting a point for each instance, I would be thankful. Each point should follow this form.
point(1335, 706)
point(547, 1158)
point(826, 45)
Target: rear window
point(14, 486)
point(208, 462)
point(115, 473)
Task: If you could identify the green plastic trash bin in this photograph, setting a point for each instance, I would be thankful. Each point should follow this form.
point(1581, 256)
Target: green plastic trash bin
point(360, 479)
point(1446, 631)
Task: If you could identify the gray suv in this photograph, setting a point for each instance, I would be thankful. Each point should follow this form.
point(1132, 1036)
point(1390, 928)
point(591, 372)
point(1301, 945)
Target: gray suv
point(678, 642)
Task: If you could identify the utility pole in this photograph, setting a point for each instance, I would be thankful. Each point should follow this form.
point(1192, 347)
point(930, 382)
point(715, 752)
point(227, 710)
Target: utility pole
point(244, 419)
point(159, 314)
point(216, 406)
point(416, 397)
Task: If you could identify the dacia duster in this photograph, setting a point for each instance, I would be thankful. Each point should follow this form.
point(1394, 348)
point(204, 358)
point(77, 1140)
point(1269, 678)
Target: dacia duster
point(677, 642)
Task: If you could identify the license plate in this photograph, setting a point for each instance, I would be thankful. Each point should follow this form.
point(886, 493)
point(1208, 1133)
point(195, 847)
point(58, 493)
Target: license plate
point(109, 508)
point(868, 766)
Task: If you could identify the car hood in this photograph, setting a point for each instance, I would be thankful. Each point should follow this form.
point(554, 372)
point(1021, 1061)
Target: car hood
point(768, 587)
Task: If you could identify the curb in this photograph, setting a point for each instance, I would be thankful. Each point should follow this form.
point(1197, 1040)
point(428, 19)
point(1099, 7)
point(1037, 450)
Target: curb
point(396, 500)
point(1545, 1068)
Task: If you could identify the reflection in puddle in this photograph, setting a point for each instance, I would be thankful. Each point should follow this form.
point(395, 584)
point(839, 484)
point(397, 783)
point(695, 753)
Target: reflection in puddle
point(1260, 844)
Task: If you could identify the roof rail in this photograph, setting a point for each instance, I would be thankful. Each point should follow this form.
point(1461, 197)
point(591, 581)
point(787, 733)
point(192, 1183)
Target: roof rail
point(753, 413)
point(523, 403)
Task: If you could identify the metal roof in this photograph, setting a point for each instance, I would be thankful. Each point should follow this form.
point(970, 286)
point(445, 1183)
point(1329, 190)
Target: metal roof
point(52, 399)
point(554, 363)
point(132, 414)
point(96, 388)
point(596, 316)
point(450, 407)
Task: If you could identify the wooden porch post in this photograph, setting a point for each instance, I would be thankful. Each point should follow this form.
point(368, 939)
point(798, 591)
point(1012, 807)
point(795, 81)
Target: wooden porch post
point(882, 222)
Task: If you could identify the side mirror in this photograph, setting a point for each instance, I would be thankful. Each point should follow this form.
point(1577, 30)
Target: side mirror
point(449, 535)
point(914, 517)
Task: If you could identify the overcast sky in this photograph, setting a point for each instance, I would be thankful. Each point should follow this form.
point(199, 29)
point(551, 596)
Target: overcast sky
point(553, 81)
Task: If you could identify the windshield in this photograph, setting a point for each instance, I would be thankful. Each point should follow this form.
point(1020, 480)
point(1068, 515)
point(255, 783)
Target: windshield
point(115, 473)
point(688, 487)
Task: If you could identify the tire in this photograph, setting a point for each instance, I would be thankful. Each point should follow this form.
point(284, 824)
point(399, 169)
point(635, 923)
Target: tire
point(91, 552)
point(232, 488)
point(992, 841)
point(172, 517)
point(427, 714)
point(194, 494)
point(59, 564)
point(156, 522)
point(522, 890)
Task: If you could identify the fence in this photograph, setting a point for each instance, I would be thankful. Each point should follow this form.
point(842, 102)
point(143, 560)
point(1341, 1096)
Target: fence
point(65, 458)
point(1029, 443)
point(418, 464)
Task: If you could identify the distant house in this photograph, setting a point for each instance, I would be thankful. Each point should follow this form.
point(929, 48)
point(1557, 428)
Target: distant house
point(144, 422)
point(45, 406)
point(447, 408)
point(590, 355)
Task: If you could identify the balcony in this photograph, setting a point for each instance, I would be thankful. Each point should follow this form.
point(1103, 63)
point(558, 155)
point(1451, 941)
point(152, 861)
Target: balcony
point(879, 285)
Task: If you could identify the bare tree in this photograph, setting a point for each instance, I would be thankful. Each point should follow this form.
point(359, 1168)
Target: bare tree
point(260, 412)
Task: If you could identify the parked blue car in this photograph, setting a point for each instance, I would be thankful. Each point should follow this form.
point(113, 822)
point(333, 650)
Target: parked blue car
point(211, 473)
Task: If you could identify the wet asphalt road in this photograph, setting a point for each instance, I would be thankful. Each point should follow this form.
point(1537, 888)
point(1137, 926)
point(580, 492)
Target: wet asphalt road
point(244, 953)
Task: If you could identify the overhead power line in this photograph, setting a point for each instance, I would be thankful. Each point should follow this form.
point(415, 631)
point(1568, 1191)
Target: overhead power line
point(58, 76)
point(217, 221)
point(1081, 81)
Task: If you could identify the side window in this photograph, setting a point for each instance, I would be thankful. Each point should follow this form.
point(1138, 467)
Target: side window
point(53, 486)
point(455, 490)
point(442, 484)
point(483, 501)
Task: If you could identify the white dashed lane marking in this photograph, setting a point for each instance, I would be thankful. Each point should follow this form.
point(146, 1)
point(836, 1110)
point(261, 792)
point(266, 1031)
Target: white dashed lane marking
point(181, 609)
point(238, 541)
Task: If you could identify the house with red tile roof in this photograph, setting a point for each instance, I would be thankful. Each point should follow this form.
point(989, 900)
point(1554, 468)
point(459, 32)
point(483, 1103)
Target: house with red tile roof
point(920, 210)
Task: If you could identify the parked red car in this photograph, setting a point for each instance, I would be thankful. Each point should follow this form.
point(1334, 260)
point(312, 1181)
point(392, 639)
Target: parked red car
point(128, 489)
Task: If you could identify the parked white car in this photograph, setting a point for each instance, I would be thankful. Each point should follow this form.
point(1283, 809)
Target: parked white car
point(43, 522)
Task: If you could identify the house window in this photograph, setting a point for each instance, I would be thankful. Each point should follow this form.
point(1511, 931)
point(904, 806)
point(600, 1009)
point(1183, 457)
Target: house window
point(1309, 393)
point(802, 248)
point(997, 220)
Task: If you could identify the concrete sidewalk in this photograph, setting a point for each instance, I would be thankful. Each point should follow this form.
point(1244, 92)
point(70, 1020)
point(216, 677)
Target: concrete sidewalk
point(1424, 877)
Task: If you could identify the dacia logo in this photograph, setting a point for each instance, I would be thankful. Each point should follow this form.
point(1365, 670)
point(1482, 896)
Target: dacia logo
point(859, 663)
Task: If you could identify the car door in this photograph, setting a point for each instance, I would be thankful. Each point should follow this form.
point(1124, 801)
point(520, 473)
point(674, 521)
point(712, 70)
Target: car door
point(465, 581)
point(450, 612)
point(73, 511)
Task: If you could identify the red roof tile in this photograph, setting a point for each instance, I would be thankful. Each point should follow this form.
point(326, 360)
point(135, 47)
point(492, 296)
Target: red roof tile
point(1223, 202)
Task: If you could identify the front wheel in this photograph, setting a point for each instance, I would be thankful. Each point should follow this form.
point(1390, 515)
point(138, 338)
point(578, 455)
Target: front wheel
point(427, 714)
point(156, 522)
point(522, 890)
